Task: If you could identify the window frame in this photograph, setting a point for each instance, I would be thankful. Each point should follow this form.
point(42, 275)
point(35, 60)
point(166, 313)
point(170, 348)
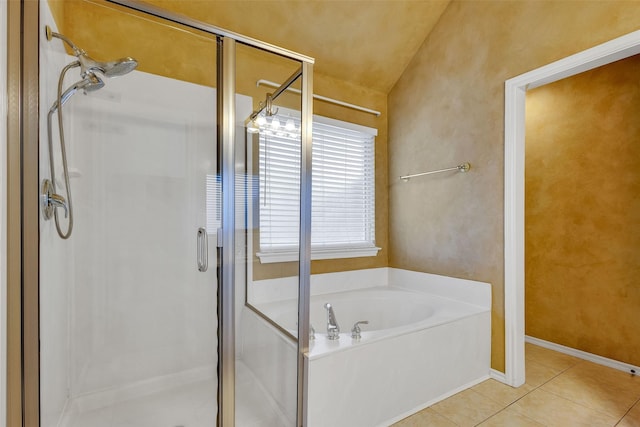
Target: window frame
point(318, 252)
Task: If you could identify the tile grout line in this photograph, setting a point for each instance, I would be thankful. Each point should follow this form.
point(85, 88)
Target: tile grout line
point(527, 393)
point(582, 404)
point(581, 362)
point(503, 409)
point(443, 416)
point(629, 410)
point(563, 370)
point(560, 372)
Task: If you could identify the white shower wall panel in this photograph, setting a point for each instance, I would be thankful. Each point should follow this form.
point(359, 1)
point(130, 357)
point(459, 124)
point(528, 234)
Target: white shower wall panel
point(141, 149)
point(56, 255)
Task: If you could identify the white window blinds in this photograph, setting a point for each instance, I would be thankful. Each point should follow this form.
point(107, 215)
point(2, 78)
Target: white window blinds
point(343, 188)
point(213, 198)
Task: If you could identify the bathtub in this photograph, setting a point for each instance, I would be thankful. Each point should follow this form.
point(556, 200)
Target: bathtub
point(389, 311)
point(428, 337)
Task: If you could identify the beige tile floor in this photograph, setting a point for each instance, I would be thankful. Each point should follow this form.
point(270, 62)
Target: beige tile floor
point(560, 390)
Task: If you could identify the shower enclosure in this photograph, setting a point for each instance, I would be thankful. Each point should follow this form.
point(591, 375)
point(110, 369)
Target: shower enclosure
point(146, 187)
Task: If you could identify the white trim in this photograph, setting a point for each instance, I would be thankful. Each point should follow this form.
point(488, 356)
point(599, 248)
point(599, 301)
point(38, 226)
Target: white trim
point(498, 376)
point(3, 212)
point(268, 257)
point(514, 134)
point(600, 360)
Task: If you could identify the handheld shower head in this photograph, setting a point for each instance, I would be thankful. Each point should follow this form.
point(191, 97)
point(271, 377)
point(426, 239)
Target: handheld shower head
point(88, 84)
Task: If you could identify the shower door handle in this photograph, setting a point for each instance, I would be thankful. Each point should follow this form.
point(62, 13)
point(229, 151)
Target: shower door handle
point(202, 252)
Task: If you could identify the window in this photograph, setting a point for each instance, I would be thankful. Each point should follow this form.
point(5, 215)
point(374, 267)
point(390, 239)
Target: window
point(343, 190)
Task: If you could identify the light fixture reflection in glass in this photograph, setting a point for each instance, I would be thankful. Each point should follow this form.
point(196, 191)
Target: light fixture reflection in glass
point(273, 126)
point(290, 126)
point(252, 128)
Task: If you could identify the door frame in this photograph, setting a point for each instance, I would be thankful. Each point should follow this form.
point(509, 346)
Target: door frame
point(514, 189)
point(23, 394)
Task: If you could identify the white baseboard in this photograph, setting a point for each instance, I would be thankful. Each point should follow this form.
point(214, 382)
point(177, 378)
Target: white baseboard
point(499, 376)
point(615, 364)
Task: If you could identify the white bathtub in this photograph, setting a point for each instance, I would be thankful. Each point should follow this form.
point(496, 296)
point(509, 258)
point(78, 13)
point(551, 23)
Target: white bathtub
point(389, 311)
point(427, 338)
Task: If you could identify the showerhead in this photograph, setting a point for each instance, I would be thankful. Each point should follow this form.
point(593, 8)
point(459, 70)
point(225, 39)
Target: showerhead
point(89, 65)
point(88, 84)
point(110, 69)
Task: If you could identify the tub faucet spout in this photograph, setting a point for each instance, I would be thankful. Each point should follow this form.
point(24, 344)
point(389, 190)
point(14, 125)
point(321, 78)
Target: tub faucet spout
point(333, 330)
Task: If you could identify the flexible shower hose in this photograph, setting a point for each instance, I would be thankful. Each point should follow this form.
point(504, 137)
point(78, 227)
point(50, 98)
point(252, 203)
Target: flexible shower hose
point(63, 152)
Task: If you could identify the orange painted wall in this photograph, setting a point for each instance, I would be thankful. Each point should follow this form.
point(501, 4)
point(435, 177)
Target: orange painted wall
point(583, 211)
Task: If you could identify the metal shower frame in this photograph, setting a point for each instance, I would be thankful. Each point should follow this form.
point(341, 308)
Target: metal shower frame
point(23, 376)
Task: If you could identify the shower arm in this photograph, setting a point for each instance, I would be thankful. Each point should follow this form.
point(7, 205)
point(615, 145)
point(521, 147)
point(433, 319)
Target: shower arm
point(272, 97)
point(51, 34)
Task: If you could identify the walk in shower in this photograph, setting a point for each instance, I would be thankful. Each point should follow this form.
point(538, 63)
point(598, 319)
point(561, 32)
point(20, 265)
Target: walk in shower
point(147, 182)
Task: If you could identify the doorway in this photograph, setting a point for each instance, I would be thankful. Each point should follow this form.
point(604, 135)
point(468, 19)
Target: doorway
point(515, 96)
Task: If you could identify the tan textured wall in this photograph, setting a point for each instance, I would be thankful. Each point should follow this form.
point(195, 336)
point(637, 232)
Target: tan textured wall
point(350, 39)
point(448, 107)
point(583, 211)
point(107, 31)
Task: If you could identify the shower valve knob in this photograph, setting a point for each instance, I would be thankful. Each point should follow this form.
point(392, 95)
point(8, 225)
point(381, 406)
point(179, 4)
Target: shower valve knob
point(59, 202)
point(50, 200)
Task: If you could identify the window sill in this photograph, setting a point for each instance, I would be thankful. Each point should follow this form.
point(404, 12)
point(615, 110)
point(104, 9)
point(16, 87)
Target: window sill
point(326, 253)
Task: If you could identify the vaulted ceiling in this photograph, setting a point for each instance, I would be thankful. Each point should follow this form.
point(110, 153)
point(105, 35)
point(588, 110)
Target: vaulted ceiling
point(367, 43)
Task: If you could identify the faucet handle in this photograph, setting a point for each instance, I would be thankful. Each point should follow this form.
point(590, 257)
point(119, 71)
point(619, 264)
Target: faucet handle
point(355, 331)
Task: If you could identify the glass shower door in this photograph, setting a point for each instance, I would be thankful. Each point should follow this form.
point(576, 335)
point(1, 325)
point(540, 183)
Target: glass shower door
point(270, 380)
point(128, 305)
